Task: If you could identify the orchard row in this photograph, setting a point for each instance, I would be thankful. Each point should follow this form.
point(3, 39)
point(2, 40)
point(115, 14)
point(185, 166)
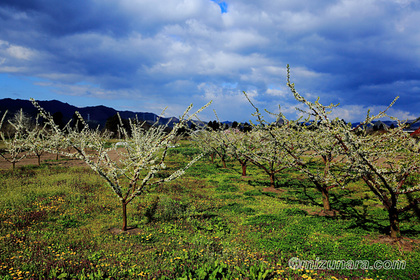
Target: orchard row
point(329, 152)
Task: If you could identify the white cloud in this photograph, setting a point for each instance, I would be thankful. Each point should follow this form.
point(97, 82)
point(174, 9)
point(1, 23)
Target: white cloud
point(402, 115)
point(16, 59)
point(357, 113)
point(12, 51)
point(150, 12)
point(356, 52)
point(12, 69)
point(20, 52)
point(243, 39)
point(350, 113)
point(229, 104)
point(277, 92)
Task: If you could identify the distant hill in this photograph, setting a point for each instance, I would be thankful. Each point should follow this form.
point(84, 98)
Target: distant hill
point(98, 115)
point(390, 123)
point(94, 114)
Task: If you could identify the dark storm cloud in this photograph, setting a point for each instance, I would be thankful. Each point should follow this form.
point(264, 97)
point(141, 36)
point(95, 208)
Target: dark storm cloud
point(53, 18)
point(358, 53)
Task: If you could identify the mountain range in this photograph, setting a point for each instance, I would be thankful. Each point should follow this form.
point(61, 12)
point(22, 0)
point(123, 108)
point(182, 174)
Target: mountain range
point(98, 115)
point(93, 114)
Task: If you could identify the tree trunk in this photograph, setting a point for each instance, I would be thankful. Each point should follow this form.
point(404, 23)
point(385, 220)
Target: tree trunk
point(13, 165)
point(223, 162)
point(272, 180)
point(243, 169)
point(56, 157)
point(325, 199)
point(39, 160)
point(322, 188)
point(212, 157)
point(394, 222)
point(124, 208)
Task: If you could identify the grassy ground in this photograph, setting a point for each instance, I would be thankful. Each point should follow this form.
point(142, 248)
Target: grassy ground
point(59, 223)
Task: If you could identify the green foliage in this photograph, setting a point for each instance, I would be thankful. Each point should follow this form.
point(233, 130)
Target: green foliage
point(188, 152)
point(295, 212)
point(238, 208)
point(68, 222)
point(151, 210)
point(412, 180)
point(266, 220)
point(60, 219)
point(170, 209)
point(226, 187)
point(213, 224)
point(253, 193)
point(229, 196)
point(216, 270)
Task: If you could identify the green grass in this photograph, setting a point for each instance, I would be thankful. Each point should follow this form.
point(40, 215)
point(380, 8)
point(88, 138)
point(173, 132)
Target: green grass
point(209, 224)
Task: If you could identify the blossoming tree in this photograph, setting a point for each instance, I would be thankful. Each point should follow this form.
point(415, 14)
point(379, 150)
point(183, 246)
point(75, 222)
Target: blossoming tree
point(137, 162)
point(388, 162)
point(15, 144)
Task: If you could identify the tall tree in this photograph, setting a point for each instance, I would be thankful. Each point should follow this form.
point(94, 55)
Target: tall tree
point(143, 156)
point(384, 161)
point(389, 165)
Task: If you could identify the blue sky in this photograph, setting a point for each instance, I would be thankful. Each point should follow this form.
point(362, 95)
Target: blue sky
point(144, 55)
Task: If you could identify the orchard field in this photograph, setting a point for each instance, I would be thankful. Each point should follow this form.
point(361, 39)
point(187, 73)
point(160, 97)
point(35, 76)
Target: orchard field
point(313, 198)
point(61, 221)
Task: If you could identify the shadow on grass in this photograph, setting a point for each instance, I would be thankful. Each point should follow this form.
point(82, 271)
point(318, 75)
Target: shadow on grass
point(416, 207)
point(359, 215)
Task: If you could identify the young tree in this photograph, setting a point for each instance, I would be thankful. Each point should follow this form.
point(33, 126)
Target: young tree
point(37, 141)
point(135, 168)
point(2, 121)
point(321, 138)
point(306, 142)
point(268, 153)
point(212, 142)
point(55, 143)
point(226, 143)
point(322, 160)
point(24, 120)
point(384, 161)
point(15, 144)
point(239, 144)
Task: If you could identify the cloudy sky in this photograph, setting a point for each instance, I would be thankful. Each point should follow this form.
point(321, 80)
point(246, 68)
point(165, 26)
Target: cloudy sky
point(144, 55)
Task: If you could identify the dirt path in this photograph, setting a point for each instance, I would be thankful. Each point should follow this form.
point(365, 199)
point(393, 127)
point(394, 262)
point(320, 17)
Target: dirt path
point(46, 157)
point(51, 159)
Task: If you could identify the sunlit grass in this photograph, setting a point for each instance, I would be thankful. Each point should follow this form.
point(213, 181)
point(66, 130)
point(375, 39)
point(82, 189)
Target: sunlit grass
point(56, 223)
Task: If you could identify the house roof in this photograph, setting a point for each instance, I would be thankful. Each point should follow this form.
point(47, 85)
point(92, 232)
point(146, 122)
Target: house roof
point(416, 132)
